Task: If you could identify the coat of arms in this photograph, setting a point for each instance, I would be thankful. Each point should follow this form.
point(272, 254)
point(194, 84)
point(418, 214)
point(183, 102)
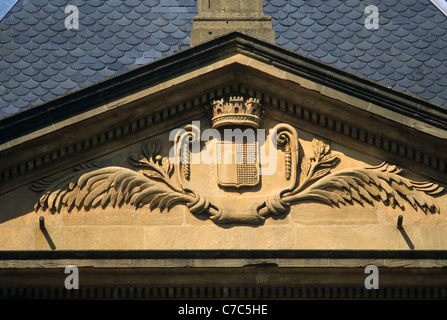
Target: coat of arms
point(158, 181)
point(238, 164)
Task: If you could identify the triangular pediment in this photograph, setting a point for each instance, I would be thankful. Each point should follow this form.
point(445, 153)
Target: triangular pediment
point(339, 139)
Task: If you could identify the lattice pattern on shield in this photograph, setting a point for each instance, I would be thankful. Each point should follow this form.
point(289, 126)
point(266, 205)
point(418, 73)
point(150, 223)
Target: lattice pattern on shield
point(246, 162)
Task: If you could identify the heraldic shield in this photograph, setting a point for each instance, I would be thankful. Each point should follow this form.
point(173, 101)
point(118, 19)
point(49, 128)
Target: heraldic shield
point(237, 154)
point(237, 164)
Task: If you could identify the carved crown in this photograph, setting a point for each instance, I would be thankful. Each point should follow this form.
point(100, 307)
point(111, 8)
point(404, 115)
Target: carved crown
point(236, 112)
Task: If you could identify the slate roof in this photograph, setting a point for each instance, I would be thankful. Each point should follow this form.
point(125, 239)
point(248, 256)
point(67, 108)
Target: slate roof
point(40, 59)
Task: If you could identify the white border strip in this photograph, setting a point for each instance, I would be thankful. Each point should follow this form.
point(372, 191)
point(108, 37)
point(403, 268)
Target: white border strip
point(441, 5)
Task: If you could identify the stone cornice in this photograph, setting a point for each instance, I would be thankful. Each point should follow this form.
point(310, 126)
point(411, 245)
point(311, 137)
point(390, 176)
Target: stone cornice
point(265, 255)
point(248, 274)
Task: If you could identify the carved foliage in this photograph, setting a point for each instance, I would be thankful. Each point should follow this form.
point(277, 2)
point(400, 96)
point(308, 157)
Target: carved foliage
point(153, 184)
point(115, 186)
point(376, 184)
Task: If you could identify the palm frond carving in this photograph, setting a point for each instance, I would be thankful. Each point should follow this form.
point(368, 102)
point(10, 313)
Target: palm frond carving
point(381, 183)
point(114, 186)
point(362, 185)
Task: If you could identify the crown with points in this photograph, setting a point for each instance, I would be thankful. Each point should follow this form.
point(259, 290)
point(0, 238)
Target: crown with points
point(236, 112)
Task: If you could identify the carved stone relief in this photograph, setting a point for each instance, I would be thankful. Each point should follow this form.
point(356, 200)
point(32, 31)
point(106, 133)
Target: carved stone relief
point(159, 182)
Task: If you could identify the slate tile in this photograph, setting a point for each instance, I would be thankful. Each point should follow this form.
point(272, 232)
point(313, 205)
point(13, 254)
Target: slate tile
point(404, 56)
point(417, 89)
point(427, 95)
point(382, 46)
point(88, 71)
point(325, 7)
point(422, 56)
point(352, 25)
point(29, 97)
point(357, 53)
point(141, 8)
point(337, 40)
point(337, 28)
point(367, 71)
point(428, 12)
point(187, 3)
point(133, 41)
point(431, 50)
point(347, 58)
point(329, 47)
point(170, 41)
point(356, 63)
point(30, 71)
point(281, 15)
point(123, 21)
point(387, 70)
point(292, 46)
point(11, 84)
point(401, 45)
point(435, 76)
point(330, 59)
point(406, 83)
point(354, 15)
point(338, 52)
point(160, 21)
point(10, 109)
point(58, 90)
point(281, 28)
point(437, 18)
point(436, 88)
point(308, 34)
point(319, 41)
point(115, 66)
point(186, 27)
point(23, 14)
point(69, 70)
point(278, 3)
point(282, 41)
point(297, 42)
point(78, 78)
point(432, 63)
point(335, 15)
point(106, 73)
point(11, 58)
point(420, 44)
point(96, 77)
point(178, 34)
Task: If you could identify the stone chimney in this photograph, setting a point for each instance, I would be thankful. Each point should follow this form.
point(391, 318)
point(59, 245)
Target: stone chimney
point(219, 17)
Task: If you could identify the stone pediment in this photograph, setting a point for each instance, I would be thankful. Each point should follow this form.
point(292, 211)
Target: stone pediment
point(337, 140)
point(323, 100)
